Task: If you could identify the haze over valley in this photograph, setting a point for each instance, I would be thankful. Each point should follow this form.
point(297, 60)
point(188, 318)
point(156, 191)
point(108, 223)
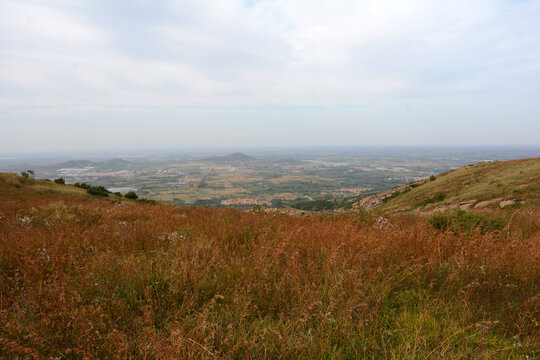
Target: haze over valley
point(270, 178)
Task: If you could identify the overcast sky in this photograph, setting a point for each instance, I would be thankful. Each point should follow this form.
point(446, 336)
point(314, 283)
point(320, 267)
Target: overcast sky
point(127, 74)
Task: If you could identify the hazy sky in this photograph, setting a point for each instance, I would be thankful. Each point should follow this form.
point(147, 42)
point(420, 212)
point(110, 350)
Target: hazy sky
point(114, 74)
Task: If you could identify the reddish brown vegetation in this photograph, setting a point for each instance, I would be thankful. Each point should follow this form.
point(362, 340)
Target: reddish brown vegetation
point(87, 278)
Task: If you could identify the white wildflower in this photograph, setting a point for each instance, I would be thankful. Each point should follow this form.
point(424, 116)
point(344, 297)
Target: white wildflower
point(382, 223)
point(25, 220)
point(44, 255)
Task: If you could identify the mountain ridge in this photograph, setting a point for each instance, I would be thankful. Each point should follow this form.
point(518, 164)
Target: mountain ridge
point(236, 156)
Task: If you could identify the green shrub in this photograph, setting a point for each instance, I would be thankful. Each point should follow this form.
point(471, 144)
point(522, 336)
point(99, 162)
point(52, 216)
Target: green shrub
point(131, 195)
point(98, 191)
point(60, 181)
point(494, 223)
point(440, 222)
point(93, 190)
point(147, 201)
point(465, 221)
point(396, 194)
point(258, 208)
point(82, 185)
point(28, 174)
point(315, 205)
point(439, 196)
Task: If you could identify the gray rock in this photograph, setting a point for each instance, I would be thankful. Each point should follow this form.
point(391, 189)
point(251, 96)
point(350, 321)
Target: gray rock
point(486, 203)
point(506, 203)
point(466, 204)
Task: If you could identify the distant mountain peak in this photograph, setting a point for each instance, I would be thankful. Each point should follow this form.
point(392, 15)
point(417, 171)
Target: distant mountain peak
point(116, 161)
point(239, 155)
point(236, 156)
point(110, 164)
point(76, 164)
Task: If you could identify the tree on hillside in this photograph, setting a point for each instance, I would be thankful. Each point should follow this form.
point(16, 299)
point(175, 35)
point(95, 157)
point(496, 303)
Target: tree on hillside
point(131, 195)
point(28, 174)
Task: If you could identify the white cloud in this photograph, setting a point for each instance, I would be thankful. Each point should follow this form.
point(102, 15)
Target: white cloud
point(33, 23)
point(460, 57)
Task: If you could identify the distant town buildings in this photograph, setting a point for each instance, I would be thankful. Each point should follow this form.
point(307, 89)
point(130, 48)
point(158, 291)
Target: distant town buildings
point(84, 172)
point(245, 201)
point(190, 180)
point(346, 191)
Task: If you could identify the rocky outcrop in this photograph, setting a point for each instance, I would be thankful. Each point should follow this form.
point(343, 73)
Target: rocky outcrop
point(372, 201)
point(465, 205)
point(506, 203)
point(486, 203)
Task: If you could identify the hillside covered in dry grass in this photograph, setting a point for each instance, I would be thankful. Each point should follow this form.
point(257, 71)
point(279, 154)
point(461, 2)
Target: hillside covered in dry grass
point(492, 184)
point(83, 277)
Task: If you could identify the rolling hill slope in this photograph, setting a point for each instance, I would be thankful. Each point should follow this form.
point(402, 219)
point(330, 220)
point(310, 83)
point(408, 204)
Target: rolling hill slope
point(480, 186)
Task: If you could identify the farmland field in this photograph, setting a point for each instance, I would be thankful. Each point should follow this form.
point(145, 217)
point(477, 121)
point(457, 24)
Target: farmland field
point(276, 177)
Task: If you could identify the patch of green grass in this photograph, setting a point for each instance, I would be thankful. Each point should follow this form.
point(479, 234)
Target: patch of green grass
point(440, 222)
point(439, 196)
point(467, 221)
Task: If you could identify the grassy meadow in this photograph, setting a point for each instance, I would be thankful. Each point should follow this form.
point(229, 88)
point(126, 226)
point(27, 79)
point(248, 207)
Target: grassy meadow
point(83, 277)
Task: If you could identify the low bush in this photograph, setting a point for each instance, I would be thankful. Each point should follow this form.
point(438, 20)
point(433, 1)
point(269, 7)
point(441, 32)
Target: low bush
point(467, 221)
point(98, 191)
point(496, 223)
point(131, 195)
point(28, 174)
point(440, 196)
point(396, 194)
point(82, 185)
point(93, 190)
point(146, 201)
point(440, 222)
point(315, 205)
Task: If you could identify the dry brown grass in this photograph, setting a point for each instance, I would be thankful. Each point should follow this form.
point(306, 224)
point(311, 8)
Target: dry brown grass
point(87, 278)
